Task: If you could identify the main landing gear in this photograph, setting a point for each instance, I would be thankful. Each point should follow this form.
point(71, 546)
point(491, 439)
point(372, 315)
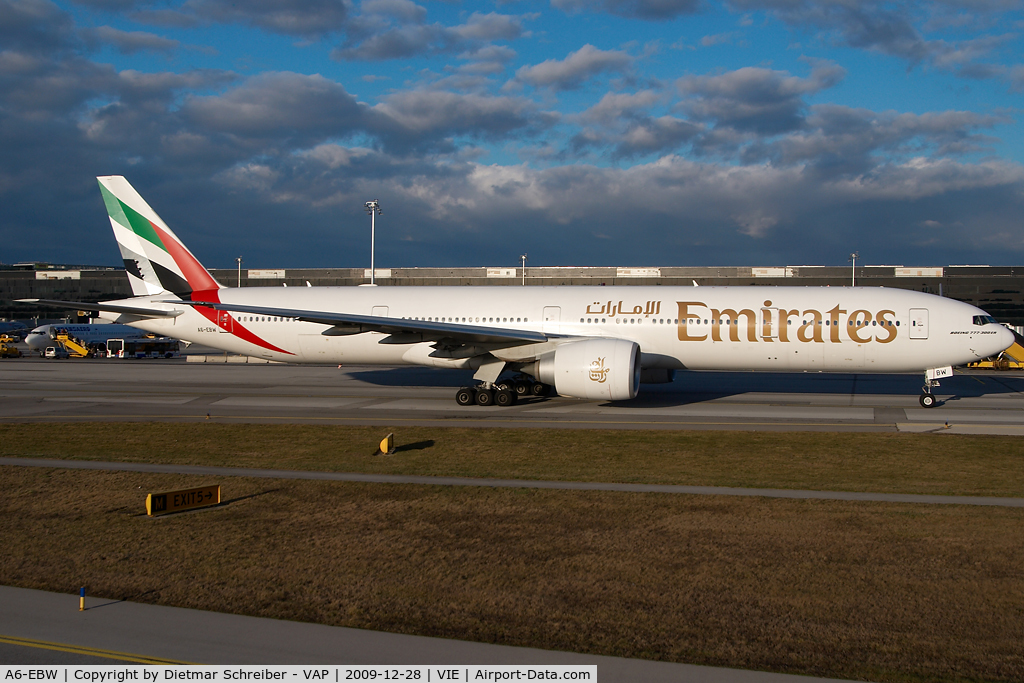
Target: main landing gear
point(504, 393)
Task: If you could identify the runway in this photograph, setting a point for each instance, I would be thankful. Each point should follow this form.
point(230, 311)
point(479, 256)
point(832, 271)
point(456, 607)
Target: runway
point(32, 389)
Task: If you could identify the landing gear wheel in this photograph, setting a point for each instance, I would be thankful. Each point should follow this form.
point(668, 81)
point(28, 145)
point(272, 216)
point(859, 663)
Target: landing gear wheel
point(927, 401)
point(504, 398)
point(522, 388)
point(484, 397)
point(465, 396)
point(540, 389)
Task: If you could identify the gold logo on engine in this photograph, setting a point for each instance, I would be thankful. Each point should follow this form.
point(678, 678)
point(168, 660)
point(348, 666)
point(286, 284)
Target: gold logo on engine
point(598, 372)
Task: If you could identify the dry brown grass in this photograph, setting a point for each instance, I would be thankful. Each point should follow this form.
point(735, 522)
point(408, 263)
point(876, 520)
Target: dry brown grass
point(904, 463)
point(860, 590)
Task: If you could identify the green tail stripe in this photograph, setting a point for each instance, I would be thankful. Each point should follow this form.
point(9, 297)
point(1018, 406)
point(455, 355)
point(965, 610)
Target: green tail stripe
point(114, 207)
point(141, 225)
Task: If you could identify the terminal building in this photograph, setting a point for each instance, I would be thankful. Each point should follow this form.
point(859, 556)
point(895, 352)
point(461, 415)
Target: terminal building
point(995, 289)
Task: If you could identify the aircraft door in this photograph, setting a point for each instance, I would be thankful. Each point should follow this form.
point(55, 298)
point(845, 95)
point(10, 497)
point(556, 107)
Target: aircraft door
point(769, 323)
point(380, 311)
point(225, 321)
point(552, 315)
point(918, 323)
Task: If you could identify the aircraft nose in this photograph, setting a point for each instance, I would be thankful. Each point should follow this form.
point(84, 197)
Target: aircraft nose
point(1006, 339)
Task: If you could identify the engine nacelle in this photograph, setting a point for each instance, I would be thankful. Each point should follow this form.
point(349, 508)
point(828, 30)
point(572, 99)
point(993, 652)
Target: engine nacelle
point(595, 369)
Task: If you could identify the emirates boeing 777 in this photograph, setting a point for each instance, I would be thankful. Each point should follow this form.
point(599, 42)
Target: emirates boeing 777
point(586, 342)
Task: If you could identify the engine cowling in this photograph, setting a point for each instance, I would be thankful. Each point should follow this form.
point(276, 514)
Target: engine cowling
point(595, 369)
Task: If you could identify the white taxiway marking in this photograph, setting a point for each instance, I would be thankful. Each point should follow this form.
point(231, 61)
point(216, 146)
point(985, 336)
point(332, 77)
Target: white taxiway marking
point(286, 401)
point(157, 400)
point(733, 411)
point(982, 416)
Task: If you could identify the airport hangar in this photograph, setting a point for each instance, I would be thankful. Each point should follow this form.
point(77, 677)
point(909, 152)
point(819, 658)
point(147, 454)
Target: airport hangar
point(999, 290)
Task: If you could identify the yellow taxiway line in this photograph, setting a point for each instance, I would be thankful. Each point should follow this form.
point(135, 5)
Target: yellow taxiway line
point(90, 651)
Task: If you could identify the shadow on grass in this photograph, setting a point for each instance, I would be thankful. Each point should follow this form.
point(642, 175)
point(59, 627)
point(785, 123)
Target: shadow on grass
point(417, 446)
point(250, 496)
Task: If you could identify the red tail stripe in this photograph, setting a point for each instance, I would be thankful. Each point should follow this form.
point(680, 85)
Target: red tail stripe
point(194, 273)
point(237, 328)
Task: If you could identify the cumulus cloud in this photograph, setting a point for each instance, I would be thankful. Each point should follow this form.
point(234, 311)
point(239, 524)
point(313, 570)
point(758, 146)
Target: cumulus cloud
point(378, 35)
point(839, 140)
point(279, 105)
point(130, 42)
point(405, 11)
point(490, 59)
point(623, 122)
point(575, 69)
point(681, 210)
point(306, 18)
point(731, 165)
point(636, 9)
point(656, 136)
point(166, 18)
point(419, 117)
point(755, 99)
point(35, 26)
point(896, 29)
point(614, 106)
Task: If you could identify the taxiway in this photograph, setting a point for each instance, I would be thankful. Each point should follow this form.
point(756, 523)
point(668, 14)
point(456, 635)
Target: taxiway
point(175, 390)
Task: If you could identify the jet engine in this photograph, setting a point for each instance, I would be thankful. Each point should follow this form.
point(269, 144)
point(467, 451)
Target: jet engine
point(595, 369)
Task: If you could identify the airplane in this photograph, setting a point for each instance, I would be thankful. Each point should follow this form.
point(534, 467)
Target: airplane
point(585, 342)
point(87, 334)
point(13, 329)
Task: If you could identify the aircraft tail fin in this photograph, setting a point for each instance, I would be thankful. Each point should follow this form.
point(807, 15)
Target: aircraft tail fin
point(156, 260)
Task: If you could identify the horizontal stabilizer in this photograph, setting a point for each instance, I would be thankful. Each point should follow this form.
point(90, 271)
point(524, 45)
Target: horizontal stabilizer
point(113, 308)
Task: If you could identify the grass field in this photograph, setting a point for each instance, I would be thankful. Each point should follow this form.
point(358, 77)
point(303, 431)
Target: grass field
point(887, 592)
point(891, 463)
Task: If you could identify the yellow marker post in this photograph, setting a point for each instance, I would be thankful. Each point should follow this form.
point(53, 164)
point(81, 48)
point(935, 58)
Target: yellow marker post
point(81, 600)
point(185, 499)
point(387, 445)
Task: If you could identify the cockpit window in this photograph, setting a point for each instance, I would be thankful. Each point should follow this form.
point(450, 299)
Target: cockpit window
point(984, 320)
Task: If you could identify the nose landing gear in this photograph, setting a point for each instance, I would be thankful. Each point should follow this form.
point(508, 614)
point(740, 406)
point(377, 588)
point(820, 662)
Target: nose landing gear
point(927, 400)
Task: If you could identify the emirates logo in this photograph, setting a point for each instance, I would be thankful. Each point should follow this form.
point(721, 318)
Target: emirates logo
point(598, 372)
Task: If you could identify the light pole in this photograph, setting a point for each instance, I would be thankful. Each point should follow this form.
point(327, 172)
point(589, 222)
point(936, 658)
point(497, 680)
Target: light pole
point(239, 259)
point(372, 208)
point(523, 257)
point(853, 268)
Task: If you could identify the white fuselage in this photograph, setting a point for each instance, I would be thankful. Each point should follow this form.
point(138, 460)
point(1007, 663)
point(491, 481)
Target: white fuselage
point(43, 336)
point(857, 329)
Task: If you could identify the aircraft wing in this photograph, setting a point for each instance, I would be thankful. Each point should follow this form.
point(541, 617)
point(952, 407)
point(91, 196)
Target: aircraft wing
point(113, 308)
point(402, 330)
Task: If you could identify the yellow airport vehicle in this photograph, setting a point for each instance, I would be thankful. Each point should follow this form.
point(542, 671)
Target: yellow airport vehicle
point(8, 350)
point(74, 348)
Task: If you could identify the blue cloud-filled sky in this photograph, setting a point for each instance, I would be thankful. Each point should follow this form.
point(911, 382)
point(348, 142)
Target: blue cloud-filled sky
point(598, 132)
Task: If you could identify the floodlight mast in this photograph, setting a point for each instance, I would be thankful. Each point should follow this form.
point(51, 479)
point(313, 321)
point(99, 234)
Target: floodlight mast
point(372, 208)
point(853, 268)
point(239, 259)
point(523, 258)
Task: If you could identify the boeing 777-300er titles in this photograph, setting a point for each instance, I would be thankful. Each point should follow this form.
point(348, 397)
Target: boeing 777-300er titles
point(560, 337)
